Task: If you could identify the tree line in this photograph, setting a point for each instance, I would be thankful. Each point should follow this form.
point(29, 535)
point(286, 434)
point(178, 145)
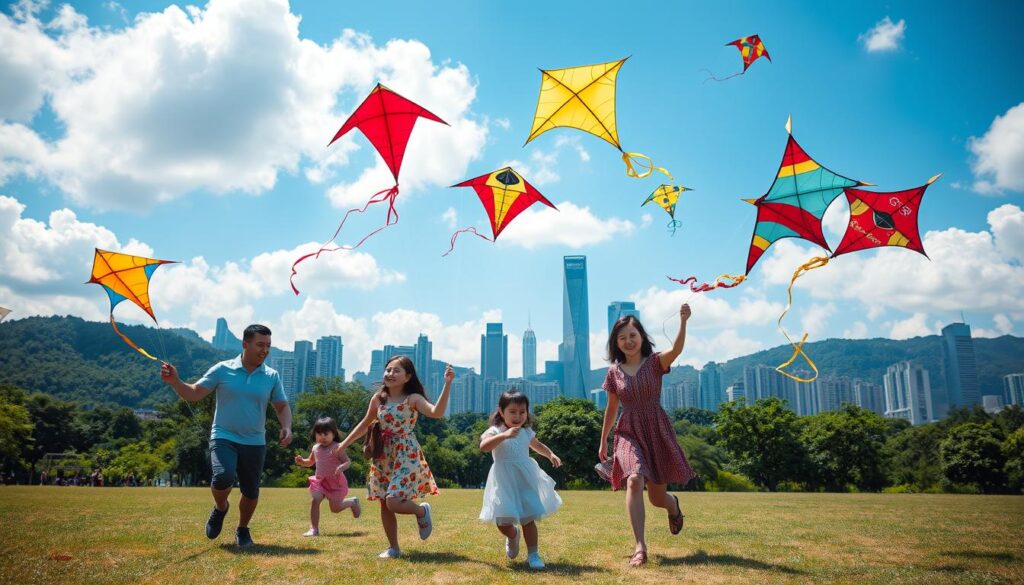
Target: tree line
point(742, 447)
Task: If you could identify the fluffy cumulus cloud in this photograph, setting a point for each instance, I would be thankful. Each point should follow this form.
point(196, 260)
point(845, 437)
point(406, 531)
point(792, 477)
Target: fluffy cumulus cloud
point(51, 260)
point(885, 36)
point(569, 225)
point(998, 163)
point(222, 98)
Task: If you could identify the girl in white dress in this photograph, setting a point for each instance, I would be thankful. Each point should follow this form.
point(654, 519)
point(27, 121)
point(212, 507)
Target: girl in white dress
point(518, 491)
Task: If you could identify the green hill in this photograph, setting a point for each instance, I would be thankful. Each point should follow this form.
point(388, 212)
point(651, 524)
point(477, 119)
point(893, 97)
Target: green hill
point(84, 361)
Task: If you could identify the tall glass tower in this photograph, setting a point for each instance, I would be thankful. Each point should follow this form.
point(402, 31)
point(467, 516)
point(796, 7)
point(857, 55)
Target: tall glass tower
point(575, 347)
point(529, 353)
point(329, 351)
point(620, 309)
point(960, 366)
point(494, 353)
point(305, 367)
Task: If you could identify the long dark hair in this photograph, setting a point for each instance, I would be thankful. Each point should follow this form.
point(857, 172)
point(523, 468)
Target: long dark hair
point(615, 354)
point(413, 386)
point(325, 424)
point(511, 396)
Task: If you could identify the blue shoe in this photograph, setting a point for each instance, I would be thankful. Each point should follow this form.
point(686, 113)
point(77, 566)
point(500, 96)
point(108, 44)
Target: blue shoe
point(242, 537)
point(216, 522)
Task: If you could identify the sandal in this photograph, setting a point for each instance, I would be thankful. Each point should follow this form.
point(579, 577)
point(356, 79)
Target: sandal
point(638, 558)
point(675, 523)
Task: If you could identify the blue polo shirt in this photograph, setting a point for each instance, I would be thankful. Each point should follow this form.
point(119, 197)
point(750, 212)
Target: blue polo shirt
point(242, 398)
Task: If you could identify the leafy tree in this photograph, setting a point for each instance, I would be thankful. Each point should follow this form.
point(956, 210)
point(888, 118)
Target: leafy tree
point(15, 436)
point(124, 425)
point(1013, 450)
point(972, 454)
point(1010, 419)
point(705, 458)
point(53, 421)
point(846, 447)
point(572, 429)
point(763, 440)
point(697, 416)
point(913, 454)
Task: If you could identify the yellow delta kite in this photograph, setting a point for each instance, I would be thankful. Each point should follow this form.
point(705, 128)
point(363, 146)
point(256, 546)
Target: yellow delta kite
point(125, 277)
point(584, 98)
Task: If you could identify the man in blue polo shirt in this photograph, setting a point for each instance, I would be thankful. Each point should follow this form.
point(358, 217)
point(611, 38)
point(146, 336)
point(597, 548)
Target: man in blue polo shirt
point(238, 444)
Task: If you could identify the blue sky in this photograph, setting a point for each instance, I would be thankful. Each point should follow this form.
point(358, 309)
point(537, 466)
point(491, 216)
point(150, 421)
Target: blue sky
point(199, 134)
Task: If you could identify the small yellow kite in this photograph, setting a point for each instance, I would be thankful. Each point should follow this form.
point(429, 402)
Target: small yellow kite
point(125, 277)
point(584, 98)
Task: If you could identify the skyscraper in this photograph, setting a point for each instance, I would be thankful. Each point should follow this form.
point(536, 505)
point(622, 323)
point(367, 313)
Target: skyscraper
point(494, 353)
point(908, 393)
point(423, 356)
point(710, 390)
point(224, 339)
point(1013, 390)
point(328, 353)
point(961, 369)
point(620, 309)
point(575, 347)
point(285, 366)
point(529, 353)
point(304, 364)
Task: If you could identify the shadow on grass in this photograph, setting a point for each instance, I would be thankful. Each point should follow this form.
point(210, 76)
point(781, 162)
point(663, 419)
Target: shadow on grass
point(700, 558)
point(978, 554)
point(267, 549)
point(559, 568)
point(344, 534)
point(442, 557)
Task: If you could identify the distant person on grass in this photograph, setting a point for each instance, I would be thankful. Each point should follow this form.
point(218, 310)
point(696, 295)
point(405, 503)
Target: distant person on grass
point(329, 480)
point(238, 442)
point(645, 449)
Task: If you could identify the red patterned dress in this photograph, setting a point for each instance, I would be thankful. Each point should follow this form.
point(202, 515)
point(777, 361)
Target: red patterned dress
point(403, 472)
point(645, 442)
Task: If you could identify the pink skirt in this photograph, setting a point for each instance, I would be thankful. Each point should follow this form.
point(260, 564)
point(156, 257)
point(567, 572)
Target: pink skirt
point(334, 487)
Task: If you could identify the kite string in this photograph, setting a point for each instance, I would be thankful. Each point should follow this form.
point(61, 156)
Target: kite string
point(646, 166)
point(455, 235)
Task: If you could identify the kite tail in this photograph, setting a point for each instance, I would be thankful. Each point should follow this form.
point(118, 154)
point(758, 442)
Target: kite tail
point(719, 282)
point(129, 341)
point(711, 76)
point(645, 164)
point(798, 348)
point(674, 225)
point(462, 231)
point(387, 195)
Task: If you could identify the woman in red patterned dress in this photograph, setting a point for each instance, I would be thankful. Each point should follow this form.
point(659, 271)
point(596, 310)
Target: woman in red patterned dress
point(645, 448)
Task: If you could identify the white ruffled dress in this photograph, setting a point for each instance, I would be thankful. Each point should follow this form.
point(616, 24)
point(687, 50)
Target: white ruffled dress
point(517, 491)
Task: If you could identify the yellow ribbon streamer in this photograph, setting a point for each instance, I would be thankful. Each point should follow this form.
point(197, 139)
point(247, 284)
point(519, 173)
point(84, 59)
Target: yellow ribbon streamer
point(798, 348)
point(129, 341)
point(645, 163)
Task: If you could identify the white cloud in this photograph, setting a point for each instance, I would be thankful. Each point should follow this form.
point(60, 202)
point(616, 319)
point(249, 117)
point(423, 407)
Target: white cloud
point(659, 310)
point(885, 36)
point(725, 345)
point(574, 143)
point(569, 225)
point(221, 98)
point(48, 262)
point(837, 216)
point(914, 326)
point(1002, 325)
point(859, 330)
point(999, 155)
point(1007, 224)
point(503, 123)
point(450, 218)
point(814, 319)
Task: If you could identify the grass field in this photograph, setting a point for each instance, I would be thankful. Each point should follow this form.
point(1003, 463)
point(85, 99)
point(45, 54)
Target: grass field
point(154, 535)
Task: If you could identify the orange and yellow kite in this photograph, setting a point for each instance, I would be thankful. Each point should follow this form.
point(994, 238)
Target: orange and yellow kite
point(125, 277)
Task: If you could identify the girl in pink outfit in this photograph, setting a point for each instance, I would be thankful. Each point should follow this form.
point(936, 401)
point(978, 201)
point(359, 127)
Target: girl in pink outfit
point(645, 450)
point(329, 481)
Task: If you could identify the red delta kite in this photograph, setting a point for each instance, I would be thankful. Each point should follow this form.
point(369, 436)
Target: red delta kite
point(386, 119)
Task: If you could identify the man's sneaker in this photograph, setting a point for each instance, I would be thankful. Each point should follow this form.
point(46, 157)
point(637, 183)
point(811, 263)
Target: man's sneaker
point(512, 545)
point(391, 553)
point(215, 523)
point(425, 524)
point(242, 537)
point(312, 532)
point(535, 561)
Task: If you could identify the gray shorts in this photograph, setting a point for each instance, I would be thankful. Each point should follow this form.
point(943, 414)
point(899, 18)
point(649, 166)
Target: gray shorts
point(231, 461)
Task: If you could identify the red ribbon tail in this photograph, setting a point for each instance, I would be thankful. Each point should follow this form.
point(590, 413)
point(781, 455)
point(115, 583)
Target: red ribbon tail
point(388, 195)
point(471, 230)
